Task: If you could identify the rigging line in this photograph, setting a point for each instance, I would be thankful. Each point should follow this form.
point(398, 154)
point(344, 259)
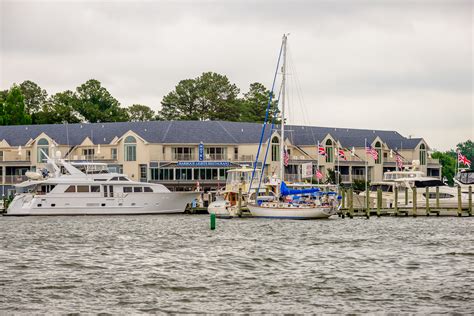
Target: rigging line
point(270, 97)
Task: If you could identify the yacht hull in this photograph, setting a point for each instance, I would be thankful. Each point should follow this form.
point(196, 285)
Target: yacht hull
point(291, 213)
point(134, 204)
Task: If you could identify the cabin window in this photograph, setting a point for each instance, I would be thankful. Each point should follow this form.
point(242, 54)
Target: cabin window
point(422, 154)
point(147, 189)
point(123, 179)
point(378, 148)
point(329, 151)
point(113, 153)
point(275, 149)
point(42, 150)
point(114, 179)
point(130, 148)
point(137, 189)
point(72, 188)
point(82, 188)
point(127, 189)
point(95, 188)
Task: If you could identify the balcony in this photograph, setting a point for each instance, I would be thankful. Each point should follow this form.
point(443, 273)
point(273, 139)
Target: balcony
point(181, 157)
point(215, 157)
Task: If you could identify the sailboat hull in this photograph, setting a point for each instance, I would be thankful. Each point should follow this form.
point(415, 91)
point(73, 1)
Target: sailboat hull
point(291, 212)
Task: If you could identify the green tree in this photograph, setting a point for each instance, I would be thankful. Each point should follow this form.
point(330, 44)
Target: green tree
point(467, 149)
point(138, 112)
point(12, 108)
point(59, 108)
point(34, 96)
point(448, 163)
point(255, 102)
point(210, 96)
point(96, 104)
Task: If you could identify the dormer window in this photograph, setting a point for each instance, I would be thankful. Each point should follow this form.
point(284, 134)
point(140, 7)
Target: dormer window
point(329, 151)
point(42, 150)
point(422, 154)
point(130, 148)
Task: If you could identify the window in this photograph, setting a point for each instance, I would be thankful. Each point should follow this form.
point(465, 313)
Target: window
point(82, 188)
point(329, 151)
point(183, 153)
point(1, 155)
point(216, 153)
point(184, 174)
point(161, 174)
point(127, 189)
point(137, 189)
point(43, 150)
point(113, 153)
point(378, 148)
point(236, 153)
point(95, 188)
point(422, 154)
point(147, 189)
point(88, 153)
point(275, 149)
point(72, 188)
point(28, 155)
point(130, 148)
point(143, 173)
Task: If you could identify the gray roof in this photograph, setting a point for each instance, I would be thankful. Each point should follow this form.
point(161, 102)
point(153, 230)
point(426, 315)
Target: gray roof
point(194, 132)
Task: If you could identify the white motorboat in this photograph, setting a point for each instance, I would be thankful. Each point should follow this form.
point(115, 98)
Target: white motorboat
point(290, 203)
point(465, 179)
point(98, 193)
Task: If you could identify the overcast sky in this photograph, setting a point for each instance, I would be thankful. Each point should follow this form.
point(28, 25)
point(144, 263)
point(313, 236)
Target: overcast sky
point(394, 64)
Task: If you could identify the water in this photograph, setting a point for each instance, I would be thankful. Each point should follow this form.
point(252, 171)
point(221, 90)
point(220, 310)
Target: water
point(150, 264)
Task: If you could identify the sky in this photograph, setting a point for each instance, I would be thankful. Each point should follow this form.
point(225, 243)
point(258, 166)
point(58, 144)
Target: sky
point(382, 64)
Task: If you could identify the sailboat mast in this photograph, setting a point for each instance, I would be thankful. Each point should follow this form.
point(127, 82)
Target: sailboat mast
point(283, 96)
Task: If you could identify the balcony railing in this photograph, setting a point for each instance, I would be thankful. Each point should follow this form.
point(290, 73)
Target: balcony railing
point(216, 157)
point(14, 179)
point(179, 157)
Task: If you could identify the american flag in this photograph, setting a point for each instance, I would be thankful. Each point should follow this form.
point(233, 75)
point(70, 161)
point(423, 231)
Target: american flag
point(463, 160)
point(372, 151)
point(319, 174)
point(342, 155)
point(399, 161)
point(322, 151)
point(286, 157)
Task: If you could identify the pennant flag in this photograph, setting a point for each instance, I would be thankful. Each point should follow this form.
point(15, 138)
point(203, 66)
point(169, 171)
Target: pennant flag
point(322, 151)
point(319, 174)
point(353, 151)
point(372, 151)
point(463, 160)
point(342, 155)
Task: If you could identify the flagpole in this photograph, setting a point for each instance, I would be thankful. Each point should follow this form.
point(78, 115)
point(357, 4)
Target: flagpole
point(366, 166)
point(337, 175)
point(317, 161)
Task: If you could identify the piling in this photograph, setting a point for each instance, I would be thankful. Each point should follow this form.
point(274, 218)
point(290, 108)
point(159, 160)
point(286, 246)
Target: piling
point(470, 201)
point(437, 198)
point(239, 202)
point(367, 203)
point(396, 201)
point(343, 194)
point(213, 221)
point(406, 196)
point(459, 202)
point(351, 203)
point(379, 201)
point(427, 199)
point(414, 201)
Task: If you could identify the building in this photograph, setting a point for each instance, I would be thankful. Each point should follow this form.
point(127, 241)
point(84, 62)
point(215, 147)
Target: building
point(181, 153)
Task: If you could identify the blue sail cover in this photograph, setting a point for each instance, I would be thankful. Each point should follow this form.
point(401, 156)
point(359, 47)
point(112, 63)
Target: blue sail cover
point(287, 191)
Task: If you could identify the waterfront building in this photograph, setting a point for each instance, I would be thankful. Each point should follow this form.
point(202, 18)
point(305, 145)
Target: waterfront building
point(183, 154)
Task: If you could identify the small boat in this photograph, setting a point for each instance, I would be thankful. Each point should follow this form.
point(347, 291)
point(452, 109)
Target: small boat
point(291, 203)
point(63, 189)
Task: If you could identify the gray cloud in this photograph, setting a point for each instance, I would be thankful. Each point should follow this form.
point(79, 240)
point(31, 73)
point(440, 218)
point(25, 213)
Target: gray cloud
point(404, 65)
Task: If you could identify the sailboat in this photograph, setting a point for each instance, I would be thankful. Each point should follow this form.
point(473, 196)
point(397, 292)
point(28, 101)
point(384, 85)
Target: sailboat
point(289, 203)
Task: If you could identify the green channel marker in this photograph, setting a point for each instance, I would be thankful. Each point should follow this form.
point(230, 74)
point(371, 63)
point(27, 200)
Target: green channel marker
point(213, 221)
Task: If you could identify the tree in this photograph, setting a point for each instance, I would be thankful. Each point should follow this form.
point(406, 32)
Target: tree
point(448, 163)
point(255, 102)
point(138, 112)
point(35, 97)
point(467, 149)
point(96, 104)
point(210, 96)
point(59, 108)
point(12, 108)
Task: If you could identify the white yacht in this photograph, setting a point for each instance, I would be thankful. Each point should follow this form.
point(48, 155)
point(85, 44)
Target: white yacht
point(65, 190)
point(465, 179)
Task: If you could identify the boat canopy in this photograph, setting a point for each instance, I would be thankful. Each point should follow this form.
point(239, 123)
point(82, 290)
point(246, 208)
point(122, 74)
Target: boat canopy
point(287, 191)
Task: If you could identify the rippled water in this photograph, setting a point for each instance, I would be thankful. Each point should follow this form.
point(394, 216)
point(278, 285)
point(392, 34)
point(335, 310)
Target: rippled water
point(146, 264)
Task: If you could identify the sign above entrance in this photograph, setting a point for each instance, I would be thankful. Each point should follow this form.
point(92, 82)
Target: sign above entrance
point(203, 164)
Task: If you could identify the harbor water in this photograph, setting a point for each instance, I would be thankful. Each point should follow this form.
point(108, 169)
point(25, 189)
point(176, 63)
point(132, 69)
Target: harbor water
point(176, 264)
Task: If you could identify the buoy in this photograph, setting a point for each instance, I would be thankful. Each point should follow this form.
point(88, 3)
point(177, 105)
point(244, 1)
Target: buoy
point(213, 221)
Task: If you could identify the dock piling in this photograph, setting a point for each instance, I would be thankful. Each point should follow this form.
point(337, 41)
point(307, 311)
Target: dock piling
point(351, 203)
point(470, 201)
point(437, 197)
point(379, 201)
point(396, 201)
point(414, 200)
point(213, 221)
point(406, 196)
point(367, 203)
point(459, 202)
point(427, 199)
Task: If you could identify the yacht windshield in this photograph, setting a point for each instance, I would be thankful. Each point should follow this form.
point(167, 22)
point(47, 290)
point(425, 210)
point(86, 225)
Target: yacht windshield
point(383, 187)
point(467, 177)
point(429, 183)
